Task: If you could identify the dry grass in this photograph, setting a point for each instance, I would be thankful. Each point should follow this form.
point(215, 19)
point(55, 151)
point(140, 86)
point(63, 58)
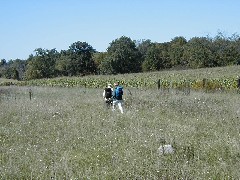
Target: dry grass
point(66, 133)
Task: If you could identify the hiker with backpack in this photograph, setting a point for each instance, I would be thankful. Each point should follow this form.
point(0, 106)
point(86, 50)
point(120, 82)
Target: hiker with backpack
point(117, 97)
point(107, 95)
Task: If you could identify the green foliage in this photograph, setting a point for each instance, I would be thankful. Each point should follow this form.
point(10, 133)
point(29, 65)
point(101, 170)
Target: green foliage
point(42, 65)
point(125, 55)
point(12, 73)
point(122, 57)
point(156, 58)
point(81, 58)
point(99, 61)
point(3, 62)
point(143, 46)
point(176, 51)
point(76, 60)
point(106, 66)
point(63, 64)
point(226, 50)
point(198, 53)
point(12, 69)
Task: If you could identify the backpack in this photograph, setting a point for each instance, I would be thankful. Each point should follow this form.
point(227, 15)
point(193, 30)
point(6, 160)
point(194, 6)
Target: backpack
point(119, 93)
point(108, 92)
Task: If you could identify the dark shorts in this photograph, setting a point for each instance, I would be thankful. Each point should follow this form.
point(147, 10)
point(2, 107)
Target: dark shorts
point(109, 101)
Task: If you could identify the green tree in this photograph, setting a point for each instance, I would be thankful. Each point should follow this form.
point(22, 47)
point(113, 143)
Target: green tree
point(20, 66)
point(143, 46)
point(42, 65)
point(81, 58)
point(106, 66)
point(3, 64)
point(157, 58)
point(98, 58)
point(63, 64)
point(198, 53)
point(226, 50)
point(12, 73)
point(237, 48)
point(122, 57)
point(13, 69)
point(176, 51)
point(33, 70)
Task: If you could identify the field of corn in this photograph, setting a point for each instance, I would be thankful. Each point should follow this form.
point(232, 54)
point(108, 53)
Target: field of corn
point(211, 79)
point(57, 131)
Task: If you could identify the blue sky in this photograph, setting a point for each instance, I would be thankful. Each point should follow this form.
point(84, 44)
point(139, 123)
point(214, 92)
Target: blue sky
point(30, 24)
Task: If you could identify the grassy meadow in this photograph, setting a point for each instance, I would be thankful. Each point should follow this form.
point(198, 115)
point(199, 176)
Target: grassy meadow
point(68, 133)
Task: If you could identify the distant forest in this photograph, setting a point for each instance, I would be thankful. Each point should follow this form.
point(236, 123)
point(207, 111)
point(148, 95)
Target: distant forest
point(125, 55)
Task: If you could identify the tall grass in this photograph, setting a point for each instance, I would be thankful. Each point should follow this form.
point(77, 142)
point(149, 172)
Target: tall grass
point(67, 133)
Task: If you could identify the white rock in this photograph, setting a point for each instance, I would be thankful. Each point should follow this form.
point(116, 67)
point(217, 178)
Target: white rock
point(166, 149)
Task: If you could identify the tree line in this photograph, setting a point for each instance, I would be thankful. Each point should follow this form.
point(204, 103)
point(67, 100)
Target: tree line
point(125, 55)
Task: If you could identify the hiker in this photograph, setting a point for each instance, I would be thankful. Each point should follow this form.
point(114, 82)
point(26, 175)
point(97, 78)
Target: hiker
point(117, 97)
point(107, 95)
